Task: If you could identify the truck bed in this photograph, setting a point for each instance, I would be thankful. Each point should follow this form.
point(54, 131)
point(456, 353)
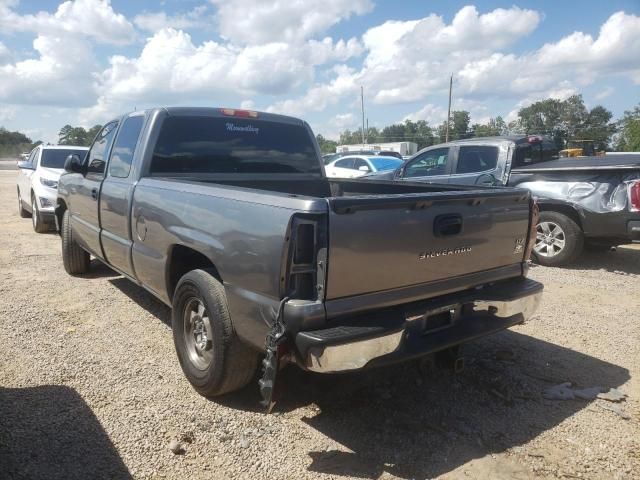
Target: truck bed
point(385, 235)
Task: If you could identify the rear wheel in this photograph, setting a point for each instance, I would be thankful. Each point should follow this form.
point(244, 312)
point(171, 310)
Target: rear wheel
point(559, 240)
point(74, 258)
point(21, 210)
point(212, 357)
point(36, 218)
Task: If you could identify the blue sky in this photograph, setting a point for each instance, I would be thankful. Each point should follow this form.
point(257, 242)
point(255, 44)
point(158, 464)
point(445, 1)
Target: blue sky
point(84, 61)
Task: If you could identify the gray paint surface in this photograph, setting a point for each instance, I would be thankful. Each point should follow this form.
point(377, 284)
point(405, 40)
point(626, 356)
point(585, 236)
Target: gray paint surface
point(243, 231)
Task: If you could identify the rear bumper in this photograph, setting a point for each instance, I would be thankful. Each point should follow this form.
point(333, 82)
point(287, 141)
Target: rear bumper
point(419, 328)
point(633, 229)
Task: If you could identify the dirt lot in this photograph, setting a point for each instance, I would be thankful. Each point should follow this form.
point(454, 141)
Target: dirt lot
point(90, 388)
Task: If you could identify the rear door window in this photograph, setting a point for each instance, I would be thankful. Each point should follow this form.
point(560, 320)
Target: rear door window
point(125, 146)
point(433, 162)
point(345, 163)
point(199, 144)
point(478, 158)
point(100, 149)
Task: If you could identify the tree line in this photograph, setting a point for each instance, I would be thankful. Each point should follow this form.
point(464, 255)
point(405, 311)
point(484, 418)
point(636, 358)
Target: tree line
point(562, 120)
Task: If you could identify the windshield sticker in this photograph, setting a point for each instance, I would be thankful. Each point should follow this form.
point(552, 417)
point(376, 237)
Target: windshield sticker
point(232, 127)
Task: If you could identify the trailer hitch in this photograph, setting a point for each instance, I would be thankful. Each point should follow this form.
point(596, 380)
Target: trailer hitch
point(272, 359)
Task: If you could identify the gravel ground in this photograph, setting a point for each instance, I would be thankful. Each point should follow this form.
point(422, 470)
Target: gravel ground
point(90, 388)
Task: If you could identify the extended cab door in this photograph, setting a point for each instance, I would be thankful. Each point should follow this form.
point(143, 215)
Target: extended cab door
point(117, 193)
point(433, 166)
point(84, 192)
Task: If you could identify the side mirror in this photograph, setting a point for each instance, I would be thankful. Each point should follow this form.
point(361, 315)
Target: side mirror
point(73, 164)
point(25, 166)
point(364, 168)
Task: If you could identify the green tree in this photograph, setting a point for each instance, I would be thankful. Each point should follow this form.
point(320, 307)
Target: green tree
point(629, 131)
point(326, 146)
point(566, 120)
point(69, 135)
point(13, 143)
point(494, 127)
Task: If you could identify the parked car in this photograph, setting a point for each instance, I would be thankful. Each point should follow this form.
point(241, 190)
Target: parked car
point(327, 158)
point(588, 201)
point(227, 216)
point(37, 183)
point(353, 166)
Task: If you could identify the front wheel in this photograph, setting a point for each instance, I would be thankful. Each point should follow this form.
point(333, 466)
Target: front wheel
point(21, 210)
point(559, 240)
point(74, 258)
point(211, 355)
point(38, 223)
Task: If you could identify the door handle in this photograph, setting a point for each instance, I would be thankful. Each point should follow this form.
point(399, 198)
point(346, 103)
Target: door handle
point(94, 193)
point(449, 224)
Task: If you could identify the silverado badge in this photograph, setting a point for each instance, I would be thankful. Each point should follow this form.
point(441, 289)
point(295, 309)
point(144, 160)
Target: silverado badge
point(443, 253)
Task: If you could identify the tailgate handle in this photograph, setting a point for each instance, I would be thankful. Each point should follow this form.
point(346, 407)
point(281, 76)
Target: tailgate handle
point(450, 224)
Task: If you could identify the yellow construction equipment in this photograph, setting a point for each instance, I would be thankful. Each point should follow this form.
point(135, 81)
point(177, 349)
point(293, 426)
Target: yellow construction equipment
point(580, 148)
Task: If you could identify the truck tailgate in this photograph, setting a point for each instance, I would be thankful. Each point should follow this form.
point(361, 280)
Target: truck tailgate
point(384, 242)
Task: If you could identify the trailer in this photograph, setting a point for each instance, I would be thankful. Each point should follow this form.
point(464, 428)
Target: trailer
point(403, 148)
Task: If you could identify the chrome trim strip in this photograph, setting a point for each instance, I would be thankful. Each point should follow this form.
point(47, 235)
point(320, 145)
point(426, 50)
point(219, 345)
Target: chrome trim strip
point(355, 355)
point(351, 356)
point(504, 309)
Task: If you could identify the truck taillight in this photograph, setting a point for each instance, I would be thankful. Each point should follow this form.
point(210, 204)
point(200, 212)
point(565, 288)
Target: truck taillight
point(304, 270)
point(533, 229)
point(634, 196)
point(234, 112)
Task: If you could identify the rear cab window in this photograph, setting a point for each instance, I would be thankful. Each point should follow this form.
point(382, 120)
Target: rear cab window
point(201, 144)
point(477, 158)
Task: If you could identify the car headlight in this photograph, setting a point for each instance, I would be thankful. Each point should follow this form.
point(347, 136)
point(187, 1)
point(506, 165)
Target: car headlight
point(49, 183)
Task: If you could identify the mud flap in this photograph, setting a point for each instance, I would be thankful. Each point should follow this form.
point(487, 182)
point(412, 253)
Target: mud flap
point(271, 362)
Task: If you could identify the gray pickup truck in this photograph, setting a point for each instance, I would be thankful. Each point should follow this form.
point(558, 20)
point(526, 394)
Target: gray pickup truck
point(227, 216)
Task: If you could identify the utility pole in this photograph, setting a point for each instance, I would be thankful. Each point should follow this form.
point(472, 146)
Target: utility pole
point(446, 138)
point(367, 136)
point(362, 105)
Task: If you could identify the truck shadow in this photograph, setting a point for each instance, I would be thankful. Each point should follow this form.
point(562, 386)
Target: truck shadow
point(49, 432)
point(623, 260)
point(143, 298)
point(417, 424)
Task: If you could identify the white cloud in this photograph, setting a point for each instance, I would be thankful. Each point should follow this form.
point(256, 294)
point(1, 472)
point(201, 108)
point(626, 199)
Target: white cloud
point(94, 19)
point(7, 113)
point(433, 114)
point(257, 21)
point(408, 62)
point(343, 120)
point(154, 21)
point(172, 67)
point(60, 75)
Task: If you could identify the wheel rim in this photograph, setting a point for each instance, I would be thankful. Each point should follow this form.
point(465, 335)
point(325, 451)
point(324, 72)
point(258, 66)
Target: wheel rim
point(34, 213)
point(550, 239)
point(197, 334)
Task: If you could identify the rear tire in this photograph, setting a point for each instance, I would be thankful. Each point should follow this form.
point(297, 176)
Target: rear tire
point(38, 223)
point(559, 240)
point(211, 355)
point(21, 210)
point(74, 258)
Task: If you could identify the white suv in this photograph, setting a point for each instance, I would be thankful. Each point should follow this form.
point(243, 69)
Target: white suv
point(38, 182)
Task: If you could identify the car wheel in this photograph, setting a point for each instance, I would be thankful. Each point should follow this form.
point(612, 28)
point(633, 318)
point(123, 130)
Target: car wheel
point(559, 240)
point(74, 258)
point(36, 218)
point(211, 355)
point(21, 210)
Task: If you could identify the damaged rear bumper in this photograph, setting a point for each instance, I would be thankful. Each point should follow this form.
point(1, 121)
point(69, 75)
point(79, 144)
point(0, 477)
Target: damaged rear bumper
point(419, 328)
